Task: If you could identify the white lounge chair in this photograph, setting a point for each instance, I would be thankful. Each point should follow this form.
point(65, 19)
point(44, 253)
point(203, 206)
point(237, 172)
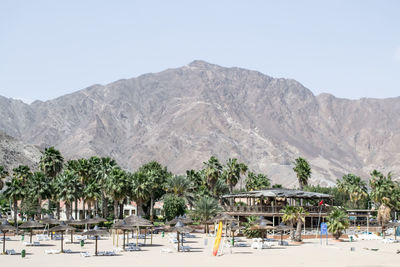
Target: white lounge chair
point(11, 252)
point(85, 254)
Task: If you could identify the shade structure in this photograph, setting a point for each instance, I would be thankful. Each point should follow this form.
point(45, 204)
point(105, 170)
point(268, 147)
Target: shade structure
point(224, 217)
point(183, 219)
point(124, 226)
point(132, 219)
point(262, 226)
point(137, 222)
point(6, 227)
point(96, 232)
point(234, 227)
point(62, 228)
point(281, 228)
point(180, 228)
point(94, 220)
point(31, 225)
point(50, 220)
point(262, 220)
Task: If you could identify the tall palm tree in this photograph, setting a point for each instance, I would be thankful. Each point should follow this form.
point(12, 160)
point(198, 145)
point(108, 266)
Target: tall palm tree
point(232, 172)
point(213, 170)
point(3, 175)
point(91, 193)
point(180, 186)
point(51, 164)
point(140, 191)
point(257, 181)
point(15, 191)
point(382, 189)
point(68, 188)
point(354, 187)
point(338, 221)
point(290, 217)
point(39, 187)
point(303, 171)
point(104, 170)
point(300, 219)
point(205, 208)
point(117, 187)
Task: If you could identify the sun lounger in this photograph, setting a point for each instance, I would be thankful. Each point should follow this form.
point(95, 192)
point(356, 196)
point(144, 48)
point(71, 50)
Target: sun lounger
point(28, 244)
point(68, 251)
point(189, 236)
point(106, 253)
point(182, 248)
point(7, 238)
point(241, 245)
point(132, 248)
point(52, 251)
point(11, 252)
point(85, 254)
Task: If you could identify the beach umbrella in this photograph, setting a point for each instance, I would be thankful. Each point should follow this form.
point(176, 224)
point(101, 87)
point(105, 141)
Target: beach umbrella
point(180, 228)
point(224, 217)
point(263, 225)
point(71, 221)
point(94, 220)
point(6, 227)
point(234, 227)
point(282, 227)
point(124, 226)
point(62, 228)
point(50, 220)
point(31, 225)
point(139, 222)
point(96, 232)
point(183, 219)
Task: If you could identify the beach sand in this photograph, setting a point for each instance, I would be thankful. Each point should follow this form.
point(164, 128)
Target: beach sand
point(310, 254)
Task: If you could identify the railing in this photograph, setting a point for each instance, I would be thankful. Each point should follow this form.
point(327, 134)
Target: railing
point(270, 209)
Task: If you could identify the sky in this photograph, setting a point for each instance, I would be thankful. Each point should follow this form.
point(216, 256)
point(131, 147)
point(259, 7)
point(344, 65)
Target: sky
point(350, 49)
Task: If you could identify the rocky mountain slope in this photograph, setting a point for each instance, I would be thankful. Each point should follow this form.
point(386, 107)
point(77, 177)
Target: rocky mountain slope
point(14, 153)
point(182, 116)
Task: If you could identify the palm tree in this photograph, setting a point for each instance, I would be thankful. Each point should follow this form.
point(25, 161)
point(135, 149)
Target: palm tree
point(51, 164)
point(157, 176)
point(257, 181)
point(180, 186)
point(232, 172)
point(338, 221)
point(213, 170)
point(353, 186)
point(205, 208)
point(290, 217)
point(104, 170)
point(39, 188)
point(300, 219)
point(3, 175)
point(303, 171)
point(91, 193)
point(140, 191)
point(117, 187)
point(15, 191)
point(67, 188)
point(382, 189)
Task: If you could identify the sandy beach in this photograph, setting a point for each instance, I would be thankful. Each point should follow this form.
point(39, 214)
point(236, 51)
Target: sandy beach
point(311, 253)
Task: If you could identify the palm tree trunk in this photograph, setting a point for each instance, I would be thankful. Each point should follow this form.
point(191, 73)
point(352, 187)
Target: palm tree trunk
point(121, 210)
point(15, 214)
point(39, 209)
point(84, 208)
point(58, 210)
point(139, 208)
point(89, 207)
point(96, 207)
point(76, 209)
point(292, 231)
point(105, 215)
point(68, 209)
point(298, 230)
point(151, 208)
point(115, 209)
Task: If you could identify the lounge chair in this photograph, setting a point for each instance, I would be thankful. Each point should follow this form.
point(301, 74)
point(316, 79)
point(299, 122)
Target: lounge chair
point(52, 251)
point(85, 254)
point(11, 252)
point(166, 250)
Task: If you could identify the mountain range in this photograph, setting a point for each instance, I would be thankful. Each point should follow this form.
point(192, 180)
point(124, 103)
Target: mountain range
point(182, 116)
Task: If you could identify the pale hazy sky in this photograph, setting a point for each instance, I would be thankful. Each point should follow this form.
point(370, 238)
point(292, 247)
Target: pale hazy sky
point(347, 48)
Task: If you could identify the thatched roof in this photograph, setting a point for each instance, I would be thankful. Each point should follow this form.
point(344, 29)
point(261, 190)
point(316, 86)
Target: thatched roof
point(61, 228)
point(31, 224)
point(5, 226)
point(280, 192)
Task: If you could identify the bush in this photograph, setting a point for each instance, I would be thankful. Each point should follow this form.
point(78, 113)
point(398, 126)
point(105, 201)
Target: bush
point(173, 206)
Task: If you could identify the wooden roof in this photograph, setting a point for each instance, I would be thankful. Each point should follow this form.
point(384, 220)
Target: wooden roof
point(280, 192)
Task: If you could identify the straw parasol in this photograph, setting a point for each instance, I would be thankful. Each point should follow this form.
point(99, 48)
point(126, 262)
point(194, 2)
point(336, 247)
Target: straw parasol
point(234, 227)
point(31, 225)
point(71, 221)
point(183, 219)
point(5, 227)
point(50, 220)
point(139, 221)
point(263, 225)
point(96, 232)
point(180, 228)
point(94, 220)
point(62, 228)
point(124, 226)
point(282, 227)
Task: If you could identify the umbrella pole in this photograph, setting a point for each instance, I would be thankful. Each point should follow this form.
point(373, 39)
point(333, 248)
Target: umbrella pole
point(137, 236)
point(72, 237)
point(123, 245)
point(31, 236)
point(62, 243)
point(151, 236)
point(95, 248)
point(281, 237)
point(145, 232)
point(177, 233)
point(4, 242)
